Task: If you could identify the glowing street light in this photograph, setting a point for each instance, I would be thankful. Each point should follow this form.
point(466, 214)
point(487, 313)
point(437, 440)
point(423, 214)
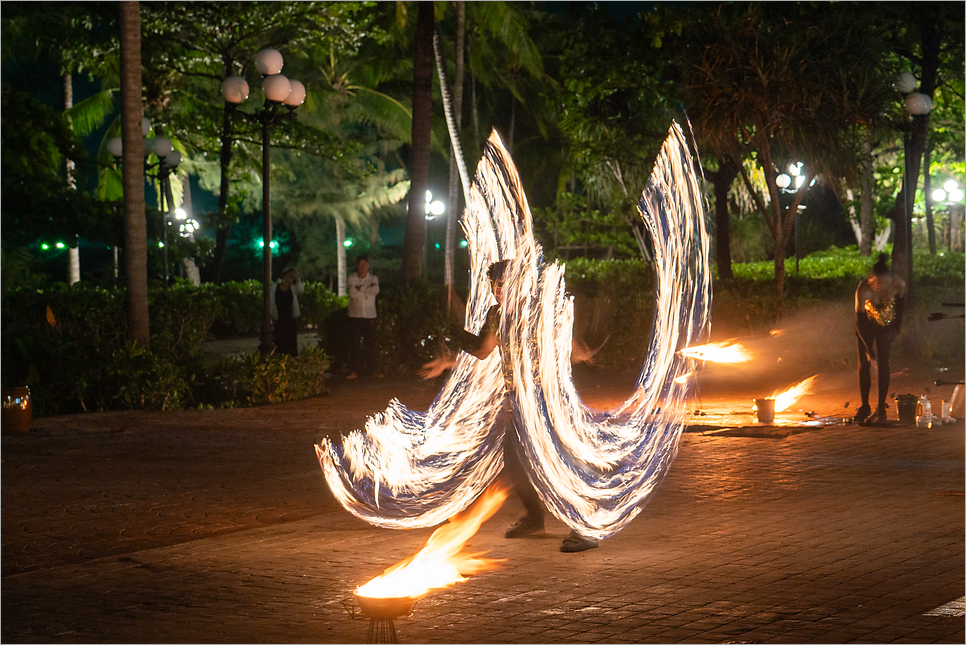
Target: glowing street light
point(279, 90)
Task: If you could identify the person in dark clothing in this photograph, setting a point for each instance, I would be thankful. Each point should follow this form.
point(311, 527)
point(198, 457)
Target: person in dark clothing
point(285, 313)
point(532, 523)
point(879, 304)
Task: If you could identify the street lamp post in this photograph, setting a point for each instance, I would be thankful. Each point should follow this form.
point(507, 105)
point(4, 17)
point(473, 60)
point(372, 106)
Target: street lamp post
point(279, 91)
point(916, 104)
point(168, 160)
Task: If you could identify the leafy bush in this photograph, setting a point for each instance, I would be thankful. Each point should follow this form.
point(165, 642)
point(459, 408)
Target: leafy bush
point(413, 325)
point(254, 379)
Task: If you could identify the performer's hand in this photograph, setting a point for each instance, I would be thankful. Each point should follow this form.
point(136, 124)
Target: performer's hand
point(437, 366)
point(581, 353)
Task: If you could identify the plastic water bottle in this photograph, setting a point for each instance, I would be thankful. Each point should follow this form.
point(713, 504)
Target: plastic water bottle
point(924, 413)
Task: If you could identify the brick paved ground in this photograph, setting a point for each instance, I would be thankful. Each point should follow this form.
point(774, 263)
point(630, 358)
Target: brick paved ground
point(216, 526)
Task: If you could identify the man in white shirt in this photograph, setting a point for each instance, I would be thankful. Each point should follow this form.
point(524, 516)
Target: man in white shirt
point(363, 287)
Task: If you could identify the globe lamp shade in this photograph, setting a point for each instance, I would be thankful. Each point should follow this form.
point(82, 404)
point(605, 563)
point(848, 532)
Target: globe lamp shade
point(268, 62)
point(905, 83)
point(162, 146)
point(115, 146)
point(277, 88)
point(173, 159)
point(234, 89)
point(297, 96)
point(918, 104)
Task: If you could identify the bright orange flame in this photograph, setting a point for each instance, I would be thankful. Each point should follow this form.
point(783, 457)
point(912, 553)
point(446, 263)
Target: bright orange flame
point(784, 400)
point(777, 332)
point(440, 563)
point(684, 377)
point(726, 351)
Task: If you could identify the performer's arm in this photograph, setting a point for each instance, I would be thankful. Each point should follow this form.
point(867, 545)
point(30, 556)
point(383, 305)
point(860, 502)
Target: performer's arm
point(477, 346)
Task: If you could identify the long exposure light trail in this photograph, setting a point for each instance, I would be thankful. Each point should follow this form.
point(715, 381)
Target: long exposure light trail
point(594, 470)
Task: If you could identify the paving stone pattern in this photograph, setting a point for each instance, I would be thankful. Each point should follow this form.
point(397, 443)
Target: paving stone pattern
point(216, 526)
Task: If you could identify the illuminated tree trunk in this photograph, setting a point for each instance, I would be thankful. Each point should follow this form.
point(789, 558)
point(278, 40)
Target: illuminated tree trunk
point(135, 250)
point(454, 176)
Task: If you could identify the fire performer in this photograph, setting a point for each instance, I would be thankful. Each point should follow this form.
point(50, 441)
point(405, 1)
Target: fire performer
point(532, 523)
point(879, 304)
point(593, 470)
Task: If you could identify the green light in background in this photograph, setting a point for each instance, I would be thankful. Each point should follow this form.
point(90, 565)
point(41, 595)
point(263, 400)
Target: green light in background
point(437, 245)
point(60, 245)
point(347, 243)
point(463, 244)
point(45, 246)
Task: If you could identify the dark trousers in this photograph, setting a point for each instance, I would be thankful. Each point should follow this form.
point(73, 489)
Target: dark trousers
point(513, 469)
point(873, 341)
point(286, 336)
point(364, 354)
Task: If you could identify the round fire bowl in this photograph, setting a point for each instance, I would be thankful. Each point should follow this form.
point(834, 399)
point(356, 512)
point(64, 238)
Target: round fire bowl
point(385, 608)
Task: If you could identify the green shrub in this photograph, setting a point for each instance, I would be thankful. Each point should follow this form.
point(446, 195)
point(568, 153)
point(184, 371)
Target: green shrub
point(254, 379)
point(413, 325)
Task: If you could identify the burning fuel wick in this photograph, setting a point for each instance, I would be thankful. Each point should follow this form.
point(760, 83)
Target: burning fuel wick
point(441, 562)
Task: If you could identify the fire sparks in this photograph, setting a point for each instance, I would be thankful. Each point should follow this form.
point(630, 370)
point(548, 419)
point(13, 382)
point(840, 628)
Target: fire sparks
point(785, 400)
point(727, 351)
point(681, 380)
point(776, 332)
point(441, 562)
point(595, 471)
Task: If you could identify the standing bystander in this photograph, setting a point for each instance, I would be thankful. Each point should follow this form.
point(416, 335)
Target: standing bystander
point(285, 312)
point(363, 287)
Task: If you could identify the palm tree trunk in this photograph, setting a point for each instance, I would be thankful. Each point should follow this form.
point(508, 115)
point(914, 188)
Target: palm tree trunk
point(454, 187)
point(135, 251)
point(422, 123)
point(340, 255)
point(73, 250)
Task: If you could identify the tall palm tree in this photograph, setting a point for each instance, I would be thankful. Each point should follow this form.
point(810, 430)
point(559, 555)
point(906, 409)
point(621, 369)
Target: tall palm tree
point(422, 129)
point(135, 248)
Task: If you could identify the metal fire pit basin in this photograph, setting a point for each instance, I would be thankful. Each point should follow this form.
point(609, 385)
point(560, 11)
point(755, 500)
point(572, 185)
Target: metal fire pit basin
point(379, 608)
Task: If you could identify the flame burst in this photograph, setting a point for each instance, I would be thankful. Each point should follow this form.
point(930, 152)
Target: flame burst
point(441, 562)
point(594, 470)
point(727, 351)
point(785, 400)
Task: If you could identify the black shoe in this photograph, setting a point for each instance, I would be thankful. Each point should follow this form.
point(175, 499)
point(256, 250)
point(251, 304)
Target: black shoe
point(880, 415)
point(525, 526)
point(862, 414)
point(574, 543)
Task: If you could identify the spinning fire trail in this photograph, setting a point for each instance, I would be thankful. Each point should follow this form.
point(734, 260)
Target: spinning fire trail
point(594, 470)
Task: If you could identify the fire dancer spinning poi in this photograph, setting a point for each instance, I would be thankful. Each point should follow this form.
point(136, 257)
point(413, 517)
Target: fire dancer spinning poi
point(593, 470)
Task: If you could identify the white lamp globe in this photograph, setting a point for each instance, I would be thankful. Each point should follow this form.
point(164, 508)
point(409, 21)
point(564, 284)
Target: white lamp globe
point(268, 61)
point(938, 195)
point(297, 96)
point(163, 146)
point(905, 83)
point(234, 89)
point(950, 185)
point(437, 208)
point(956, 195)
point(277, 88)
point(145, 126)
point(783, 180)
point(115, 146)
point(917, 103)
point(172, 159)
